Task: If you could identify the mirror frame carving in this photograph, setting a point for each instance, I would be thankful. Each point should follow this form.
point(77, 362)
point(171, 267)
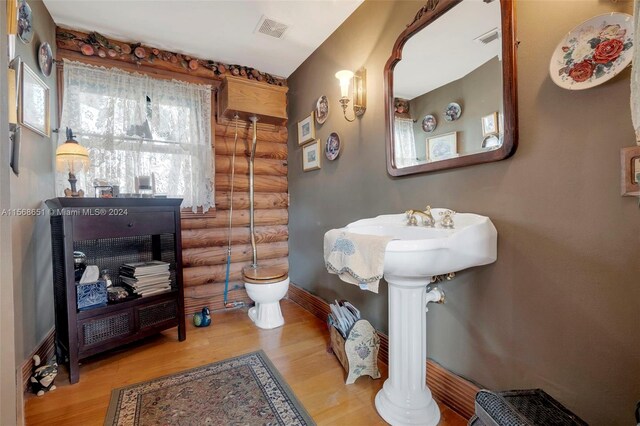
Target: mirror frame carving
point(431, 11)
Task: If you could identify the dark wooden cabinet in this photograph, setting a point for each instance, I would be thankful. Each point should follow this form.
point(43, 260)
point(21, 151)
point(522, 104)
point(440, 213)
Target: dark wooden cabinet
point(111, 232)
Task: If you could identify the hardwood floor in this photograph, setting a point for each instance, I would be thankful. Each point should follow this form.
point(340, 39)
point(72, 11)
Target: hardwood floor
point(298, 350)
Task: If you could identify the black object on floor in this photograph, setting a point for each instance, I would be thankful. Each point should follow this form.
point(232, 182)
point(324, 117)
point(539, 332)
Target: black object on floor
point(530, 407)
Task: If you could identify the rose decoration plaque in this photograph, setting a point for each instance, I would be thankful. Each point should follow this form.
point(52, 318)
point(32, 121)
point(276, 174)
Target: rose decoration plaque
point(593, 52)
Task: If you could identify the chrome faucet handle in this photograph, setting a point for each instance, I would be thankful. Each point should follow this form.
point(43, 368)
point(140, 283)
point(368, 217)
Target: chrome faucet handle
point(447, 219)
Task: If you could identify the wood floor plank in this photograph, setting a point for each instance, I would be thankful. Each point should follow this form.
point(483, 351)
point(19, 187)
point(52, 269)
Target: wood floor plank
point(298, 350)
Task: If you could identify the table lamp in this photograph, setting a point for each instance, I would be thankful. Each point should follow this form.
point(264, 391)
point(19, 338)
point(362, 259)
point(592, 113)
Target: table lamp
point(72, 157)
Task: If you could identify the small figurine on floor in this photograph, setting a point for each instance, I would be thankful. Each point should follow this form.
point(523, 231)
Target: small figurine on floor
point(43, 376)
point(202, 319)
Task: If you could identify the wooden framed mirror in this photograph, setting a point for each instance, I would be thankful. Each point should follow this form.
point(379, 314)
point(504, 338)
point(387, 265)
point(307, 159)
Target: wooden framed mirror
point(450, 87)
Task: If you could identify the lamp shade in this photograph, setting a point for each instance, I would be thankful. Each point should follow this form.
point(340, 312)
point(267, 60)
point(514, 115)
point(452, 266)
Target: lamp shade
point(72, 157)
point(345, 77)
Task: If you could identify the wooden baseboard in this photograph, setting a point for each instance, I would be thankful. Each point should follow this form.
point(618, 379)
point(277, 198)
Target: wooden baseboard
point(447, 387)
point(44, 350)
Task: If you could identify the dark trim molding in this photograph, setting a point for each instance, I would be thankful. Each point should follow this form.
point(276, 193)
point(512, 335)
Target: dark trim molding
point(447, 387)
point(44, 350)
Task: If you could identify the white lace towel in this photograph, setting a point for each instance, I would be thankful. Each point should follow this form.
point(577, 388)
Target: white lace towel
point(355, 258)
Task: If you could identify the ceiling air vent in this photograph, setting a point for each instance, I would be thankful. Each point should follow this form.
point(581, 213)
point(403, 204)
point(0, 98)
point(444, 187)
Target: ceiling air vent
point(271, 28)
point(489, 36)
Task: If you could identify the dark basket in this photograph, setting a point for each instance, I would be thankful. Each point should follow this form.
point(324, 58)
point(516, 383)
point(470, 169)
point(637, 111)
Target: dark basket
point(530, 407)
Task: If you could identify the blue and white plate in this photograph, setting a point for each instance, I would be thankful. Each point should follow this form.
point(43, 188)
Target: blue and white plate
point(25, 22)
point(45, 59)
point(453, 112)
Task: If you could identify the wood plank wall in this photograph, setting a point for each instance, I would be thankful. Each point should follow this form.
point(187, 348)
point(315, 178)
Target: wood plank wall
point(204, 237)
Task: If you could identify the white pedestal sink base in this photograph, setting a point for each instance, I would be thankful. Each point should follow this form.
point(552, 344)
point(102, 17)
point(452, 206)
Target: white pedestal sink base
point(405, 398)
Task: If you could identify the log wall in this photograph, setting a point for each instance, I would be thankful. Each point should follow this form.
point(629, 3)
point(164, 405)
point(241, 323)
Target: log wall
point(204, 236)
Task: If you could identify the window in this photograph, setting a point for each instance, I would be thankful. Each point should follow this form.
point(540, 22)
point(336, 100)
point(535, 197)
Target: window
point(134, 125)
point(405, 143)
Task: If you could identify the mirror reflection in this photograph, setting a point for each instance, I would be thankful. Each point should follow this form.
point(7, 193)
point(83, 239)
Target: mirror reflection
point(447, 89)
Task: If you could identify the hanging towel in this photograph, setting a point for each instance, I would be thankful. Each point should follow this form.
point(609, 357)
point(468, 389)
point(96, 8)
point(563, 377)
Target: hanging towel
point(355, 258)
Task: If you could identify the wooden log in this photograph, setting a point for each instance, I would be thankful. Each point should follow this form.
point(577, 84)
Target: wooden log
point(261, 200)
point(143, 56)
point(240, 218)
point(211, 290)
point(215, 303)
point(224, 146)
point(262, 183)
point(262, 166)
point(266, 132)
point(199, 275)
point(205, 256)
point(218, 237)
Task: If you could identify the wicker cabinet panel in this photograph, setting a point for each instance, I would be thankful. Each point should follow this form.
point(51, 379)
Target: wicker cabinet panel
point(153, 315)
point(107, 328)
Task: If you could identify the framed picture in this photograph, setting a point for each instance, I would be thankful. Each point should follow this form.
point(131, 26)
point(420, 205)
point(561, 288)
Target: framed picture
point(33, 102)
point(490, 124)
point(442, 147)
point(630, 166)
point(311, 156)
point(306, 130)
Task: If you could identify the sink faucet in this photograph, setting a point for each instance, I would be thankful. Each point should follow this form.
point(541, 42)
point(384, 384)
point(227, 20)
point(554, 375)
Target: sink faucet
point(427, 217)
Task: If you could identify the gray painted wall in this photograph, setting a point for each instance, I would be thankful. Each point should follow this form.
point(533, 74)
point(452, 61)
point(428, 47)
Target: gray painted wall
point(32, 276)
point(560, 309)
point(478, 93)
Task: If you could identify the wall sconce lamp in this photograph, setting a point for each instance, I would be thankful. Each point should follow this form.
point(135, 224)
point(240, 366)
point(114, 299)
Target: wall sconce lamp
point(72, 157)
point(359, 91)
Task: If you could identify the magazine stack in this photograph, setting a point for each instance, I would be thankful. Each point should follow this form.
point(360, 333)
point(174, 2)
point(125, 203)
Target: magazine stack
point(146, 278)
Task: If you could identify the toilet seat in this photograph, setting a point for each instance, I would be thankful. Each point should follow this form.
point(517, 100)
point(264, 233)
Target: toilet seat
point(264, 274)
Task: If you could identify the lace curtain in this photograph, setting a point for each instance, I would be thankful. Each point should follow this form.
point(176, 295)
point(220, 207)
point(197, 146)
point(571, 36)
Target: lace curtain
point(134, 125)
point(405, 145)
point(635, 73)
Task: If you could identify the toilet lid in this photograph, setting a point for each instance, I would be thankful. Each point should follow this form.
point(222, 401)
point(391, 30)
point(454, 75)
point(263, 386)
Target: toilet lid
point(264, 274)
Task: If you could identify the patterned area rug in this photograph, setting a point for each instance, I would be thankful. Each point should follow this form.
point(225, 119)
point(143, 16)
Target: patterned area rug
point(247, 390)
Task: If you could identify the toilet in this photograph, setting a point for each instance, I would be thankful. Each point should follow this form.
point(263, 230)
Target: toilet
point(266, 286)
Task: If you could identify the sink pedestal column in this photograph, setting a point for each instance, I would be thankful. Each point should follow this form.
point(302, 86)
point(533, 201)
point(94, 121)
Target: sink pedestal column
point(405, 398)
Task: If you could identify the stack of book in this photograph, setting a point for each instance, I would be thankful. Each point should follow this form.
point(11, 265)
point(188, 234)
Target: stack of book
point(146, 278)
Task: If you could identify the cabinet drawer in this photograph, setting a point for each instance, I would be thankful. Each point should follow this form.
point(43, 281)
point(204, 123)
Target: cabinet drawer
point(104, 329)
point(132, 224)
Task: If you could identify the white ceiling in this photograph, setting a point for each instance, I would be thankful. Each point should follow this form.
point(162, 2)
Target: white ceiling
point(445, 50)
point(221, 30)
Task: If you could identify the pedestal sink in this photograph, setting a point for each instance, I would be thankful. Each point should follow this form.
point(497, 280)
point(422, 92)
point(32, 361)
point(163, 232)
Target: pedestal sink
point(415, 255)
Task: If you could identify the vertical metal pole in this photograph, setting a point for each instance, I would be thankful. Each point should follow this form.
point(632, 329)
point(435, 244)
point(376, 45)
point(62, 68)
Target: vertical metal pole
point(254, 120)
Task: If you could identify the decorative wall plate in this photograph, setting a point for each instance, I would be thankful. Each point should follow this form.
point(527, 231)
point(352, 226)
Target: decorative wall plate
point(593, 52)
point(332, 146)
point(45, 59)
point(491, 141)
point(25, 22)
point(322, 109)
point(429, 123)
point(453, 112)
